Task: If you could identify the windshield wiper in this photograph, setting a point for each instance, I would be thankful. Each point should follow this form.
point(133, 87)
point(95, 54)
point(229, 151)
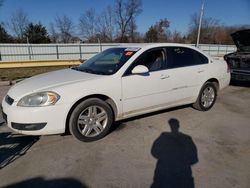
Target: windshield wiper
point(87, 70)
point(83, 70)
point(75, 68)
point(101, 72)
point(90, 71)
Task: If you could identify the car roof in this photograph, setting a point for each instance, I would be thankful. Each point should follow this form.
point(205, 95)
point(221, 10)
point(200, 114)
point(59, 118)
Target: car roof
point(146, 46)
point(154, 45)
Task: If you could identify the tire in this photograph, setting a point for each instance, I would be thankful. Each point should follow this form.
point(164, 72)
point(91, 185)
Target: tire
point(206, 99)
point(91, 120)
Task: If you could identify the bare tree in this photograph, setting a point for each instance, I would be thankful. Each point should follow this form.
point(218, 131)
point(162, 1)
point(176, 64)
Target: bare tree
point(162, 29)
point(125, 12)
point(177, 37)
point(106, 25)
point(159, 32)
point(87, 25)
point(212, 31)
point(18, 22)
point(209, 29)
point(65, 27)
point(54, 35)
point(132, 30)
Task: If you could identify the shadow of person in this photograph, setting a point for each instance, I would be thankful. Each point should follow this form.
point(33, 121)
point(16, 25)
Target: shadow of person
point(175, 152)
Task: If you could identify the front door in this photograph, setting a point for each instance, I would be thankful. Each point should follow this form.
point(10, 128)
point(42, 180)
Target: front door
point(149, 91)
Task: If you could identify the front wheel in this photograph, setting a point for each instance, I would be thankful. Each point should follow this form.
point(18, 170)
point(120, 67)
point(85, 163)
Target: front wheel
point(91, 120)
point(206, 98)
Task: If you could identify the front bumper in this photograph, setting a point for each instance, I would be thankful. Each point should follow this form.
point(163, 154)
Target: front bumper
point(35, 120)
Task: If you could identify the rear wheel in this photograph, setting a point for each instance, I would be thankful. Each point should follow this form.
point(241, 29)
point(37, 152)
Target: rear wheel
point(91, 120)
point(206, 98)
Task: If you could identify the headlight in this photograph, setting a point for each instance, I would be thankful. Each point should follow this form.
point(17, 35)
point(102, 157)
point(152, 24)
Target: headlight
point(39, 99)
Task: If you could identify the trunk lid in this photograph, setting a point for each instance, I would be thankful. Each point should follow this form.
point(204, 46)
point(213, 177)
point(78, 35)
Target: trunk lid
point(242, 40)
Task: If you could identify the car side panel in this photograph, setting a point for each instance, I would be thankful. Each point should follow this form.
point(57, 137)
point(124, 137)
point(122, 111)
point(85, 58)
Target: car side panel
point(143, 91)
point(218, 69)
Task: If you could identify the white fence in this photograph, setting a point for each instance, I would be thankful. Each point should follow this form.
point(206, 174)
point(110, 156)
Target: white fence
point(13, 52)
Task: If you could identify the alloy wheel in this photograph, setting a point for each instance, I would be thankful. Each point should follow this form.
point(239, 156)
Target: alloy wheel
point(92, 121)
point(207, 97)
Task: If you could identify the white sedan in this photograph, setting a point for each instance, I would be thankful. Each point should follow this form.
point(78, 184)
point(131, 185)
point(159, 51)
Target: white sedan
point(115, 84)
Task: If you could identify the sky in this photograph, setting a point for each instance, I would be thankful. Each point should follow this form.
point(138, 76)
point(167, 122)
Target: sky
point(178, 12)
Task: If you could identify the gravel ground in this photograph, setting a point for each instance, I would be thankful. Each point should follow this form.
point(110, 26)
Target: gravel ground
point(211, 149)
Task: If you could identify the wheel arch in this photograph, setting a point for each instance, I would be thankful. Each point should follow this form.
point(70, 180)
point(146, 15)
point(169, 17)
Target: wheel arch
point(215, 82)
point(211, 80)
point(105, 98)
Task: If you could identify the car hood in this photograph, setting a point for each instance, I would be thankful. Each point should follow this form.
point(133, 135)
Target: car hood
point(242, 40)
point(48, 81)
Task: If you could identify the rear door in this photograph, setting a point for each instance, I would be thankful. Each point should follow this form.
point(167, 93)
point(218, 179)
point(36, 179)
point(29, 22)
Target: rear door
point(187, 72)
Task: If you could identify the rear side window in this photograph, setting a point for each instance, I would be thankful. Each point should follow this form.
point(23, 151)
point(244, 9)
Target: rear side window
point(200, 58)
point(182, 57)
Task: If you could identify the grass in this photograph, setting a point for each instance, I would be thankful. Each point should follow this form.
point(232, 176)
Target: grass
point(19, 73)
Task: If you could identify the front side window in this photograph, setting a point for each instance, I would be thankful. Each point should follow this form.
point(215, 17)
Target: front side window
point(107, 62)
point(154, 60)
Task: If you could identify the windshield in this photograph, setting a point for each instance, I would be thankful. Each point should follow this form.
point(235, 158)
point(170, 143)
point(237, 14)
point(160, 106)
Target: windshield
point(107, 62)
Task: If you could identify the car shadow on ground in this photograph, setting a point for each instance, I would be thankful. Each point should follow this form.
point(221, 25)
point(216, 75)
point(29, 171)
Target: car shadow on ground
point(119, 125)
point(175, 153)
point(13, 146)
point(40, 182)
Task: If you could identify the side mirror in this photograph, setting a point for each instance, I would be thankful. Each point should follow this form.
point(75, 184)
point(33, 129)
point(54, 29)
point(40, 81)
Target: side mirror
point(140, 69)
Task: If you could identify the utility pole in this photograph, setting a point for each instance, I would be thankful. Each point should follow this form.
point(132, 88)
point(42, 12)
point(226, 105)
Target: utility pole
point(199, 29)
point(100, 44)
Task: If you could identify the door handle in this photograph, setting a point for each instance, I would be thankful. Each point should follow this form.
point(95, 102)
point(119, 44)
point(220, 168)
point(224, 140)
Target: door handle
point(164, 76)
point(200, 71)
